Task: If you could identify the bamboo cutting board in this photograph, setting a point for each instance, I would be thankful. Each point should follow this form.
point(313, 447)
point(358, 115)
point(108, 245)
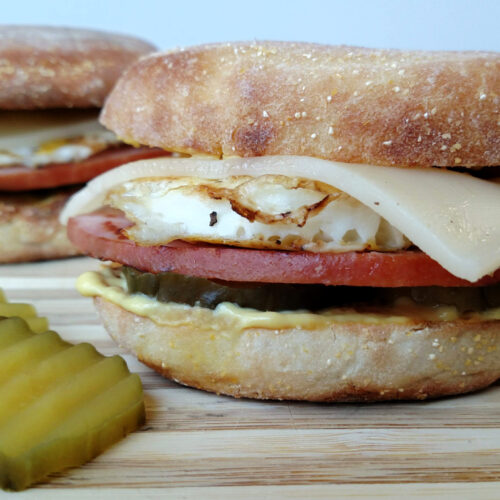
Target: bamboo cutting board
point(197, 445)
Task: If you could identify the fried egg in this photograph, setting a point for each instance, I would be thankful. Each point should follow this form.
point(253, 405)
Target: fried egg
point(265, 212)
point(37, 138)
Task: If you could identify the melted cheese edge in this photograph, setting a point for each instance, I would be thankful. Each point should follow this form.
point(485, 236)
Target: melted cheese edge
point(226, 315)
point(452, 217)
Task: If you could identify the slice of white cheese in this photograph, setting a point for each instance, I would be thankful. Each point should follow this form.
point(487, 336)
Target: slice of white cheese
point(452, 217)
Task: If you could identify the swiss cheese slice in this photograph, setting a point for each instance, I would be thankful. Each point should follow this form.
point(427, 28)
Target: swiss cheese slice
point(452, 217)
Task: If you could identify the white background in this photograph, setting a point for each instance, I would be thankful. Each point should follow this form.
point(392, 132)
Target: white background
point(414, 24)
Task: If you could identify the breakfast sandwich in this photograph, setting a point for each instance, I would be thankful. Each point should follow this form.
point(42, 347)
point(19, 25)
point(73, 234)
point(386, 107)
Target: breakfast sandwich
point(53, 82)
point(329, 230)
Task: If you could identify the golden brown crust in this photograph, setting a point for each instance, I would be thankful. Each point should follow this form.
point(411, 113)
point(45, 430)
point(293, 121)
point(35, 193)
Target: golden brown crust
point(348, 104)
point(49, 67)
point(30, 228)
point(344, 362)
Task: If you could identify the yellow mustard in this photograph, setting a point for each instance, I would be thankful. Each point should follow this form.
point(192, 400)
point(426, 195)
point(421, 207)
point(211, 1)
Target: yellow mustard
point(107, 285)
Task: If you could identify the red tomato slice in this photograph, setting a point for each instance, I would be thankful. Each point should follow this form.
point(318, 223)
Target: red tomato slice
point(21, 178)
point(100, 235)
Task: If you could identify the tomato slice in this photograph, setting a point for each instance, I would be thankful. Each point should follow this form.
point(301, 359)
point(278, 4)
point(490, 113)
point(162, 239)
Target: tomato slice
point(21, 178)
point(100, 235)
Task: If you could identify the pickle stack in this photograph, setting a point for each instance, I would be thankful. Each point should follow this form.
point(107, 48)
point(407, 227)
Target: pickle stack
point(61, 404)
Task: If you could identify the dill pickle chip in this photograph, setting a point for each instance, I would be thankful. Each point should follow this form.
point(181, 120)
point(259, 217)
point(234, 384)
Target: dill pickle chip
point(13, 330)
point(19, 356)
point(26, 311)
point(38, 325)
point(57, 404)
point(61, 404)
point(9, 309)
point(194, 291)
point(103, 421)
point(21, 390)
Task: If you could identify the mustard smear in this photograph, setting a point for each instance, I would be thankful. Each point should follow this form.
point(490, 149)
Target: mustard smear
point(112, 288)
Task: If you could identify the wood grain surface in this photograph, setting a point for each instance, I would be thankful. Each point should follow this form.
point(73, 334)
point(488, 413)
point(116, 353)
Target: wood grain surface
point(203, 446)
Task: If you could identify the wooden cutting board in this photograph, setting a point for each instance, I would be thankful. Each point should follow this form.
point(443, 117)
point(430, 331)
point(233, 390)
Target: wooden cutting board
point(203, 446)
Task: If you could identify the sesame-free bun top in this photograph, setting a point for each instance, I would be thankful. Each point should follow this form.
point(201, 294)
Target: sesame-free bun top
point(385, 107)
point(51, 67)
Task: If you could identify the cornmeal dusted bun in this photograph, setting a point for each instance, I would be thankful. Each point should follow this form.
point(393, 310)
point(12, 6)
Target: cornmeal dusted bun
point(51, 67)
point(356, 105)
point(350, 362)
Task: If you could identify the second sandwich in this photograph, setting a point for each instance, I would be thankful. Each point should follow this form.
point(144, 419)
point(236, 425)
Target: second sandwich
point(53, 82)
